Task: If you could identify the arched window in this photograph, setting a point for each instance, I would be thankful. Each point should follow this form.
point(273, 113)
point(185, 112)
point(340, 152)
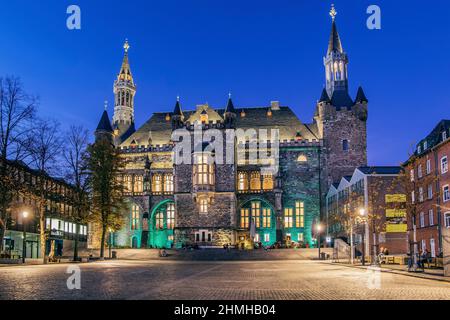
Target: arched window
point(267, 181)
point(159, 220)
point(255, 181)
point(170, 216)
point(242, 181)
point(135, 217)
point(156, 183)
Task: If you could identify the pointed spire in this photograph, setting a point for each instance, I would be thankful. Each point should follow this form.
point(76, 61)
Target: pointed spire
point(360, 96)
point(177, 110)
point(334, 44)
point(324, 97)
point(230, 106)
point(104, 123)
point(125, 70)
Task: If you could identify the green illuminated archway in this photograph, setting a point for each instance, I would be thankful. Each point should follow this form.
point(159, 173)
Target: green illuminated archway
point(161, 224)
point(265, 220)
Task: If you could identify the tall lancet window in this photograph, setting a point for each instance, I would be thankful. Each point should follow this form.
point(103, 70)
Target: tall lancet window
point(203, 169)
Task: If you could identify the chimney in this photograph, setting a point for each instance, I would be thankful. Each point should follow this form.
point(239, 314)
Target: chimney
point(275, 105)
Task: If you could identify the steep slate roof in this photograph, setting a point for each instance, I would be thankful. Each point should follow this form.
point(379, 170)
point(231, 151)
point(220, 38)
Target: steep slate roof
point(380, 170)
point(435, 137)
point(324, 97)
point(360, 96)
point(334, 44)
point(230, 106)
point(341, 99)
point(284, 119)
point(104, 123)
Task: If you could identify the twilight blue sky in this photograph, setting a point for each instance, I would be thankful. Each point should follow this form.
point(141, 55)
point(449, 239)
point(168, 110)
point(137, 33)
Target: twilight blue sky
point(259, 50)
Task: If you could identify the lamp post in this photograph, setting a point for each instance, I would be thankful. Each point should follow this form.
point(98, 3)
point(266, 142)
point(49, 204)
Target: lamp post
point(318, 229)
point(24, 246)
point(362, 213)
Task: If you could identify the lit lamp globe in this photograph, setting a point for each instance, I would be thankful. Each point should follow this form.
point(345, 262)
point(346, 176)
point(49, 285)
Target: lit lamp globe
point(25, 214)
point(362, 212)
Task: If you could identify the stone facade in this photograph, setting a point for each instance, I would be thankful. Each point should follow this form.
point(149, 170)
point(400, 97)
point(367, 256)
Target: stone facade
point(274, 200)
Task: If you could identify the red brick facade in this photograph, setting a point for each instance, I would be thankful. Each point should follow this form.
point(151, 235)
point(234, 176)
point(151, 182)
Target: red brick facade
point(428, 174)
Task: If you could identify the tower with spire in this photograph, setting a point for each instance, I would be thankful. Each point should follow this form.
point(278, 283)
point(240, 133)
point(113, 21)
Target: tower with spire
point(124, 92)
point(340, 120)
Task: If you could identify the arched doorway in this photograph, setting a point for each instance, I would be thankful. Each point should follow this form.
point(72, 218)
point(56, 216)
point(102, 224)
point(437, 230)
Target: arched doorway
point(162, 223)
point(261, 214)
point(134, 243)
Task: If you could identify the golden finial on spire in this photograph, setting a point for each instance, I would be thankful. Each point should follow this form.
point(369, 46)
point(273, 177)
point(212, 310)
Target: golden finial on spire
point(126, 46)
point(229, 95)
point(333, 12)
point(106, 105)
point(178, 98)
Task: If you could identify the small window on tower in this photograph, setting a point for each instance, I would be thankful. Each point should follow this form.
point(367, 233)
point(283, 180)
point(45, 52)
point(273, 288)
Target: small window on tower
point(345, 145)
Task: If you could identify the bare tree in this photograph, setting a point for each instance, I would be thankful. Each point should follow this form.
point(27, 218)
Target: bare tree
point(105, 168)
point(76, 160)
point(17, 109)
point(45, 150)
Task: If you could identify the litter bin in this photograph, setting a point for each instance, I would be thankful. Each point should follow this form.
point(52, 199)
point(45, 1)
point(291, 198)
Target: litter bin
point(114, 254)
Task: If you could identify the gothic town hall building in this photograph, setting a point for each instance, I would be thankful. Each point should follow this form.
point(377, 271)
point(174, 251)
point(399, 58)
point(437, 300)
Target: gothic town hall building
point(174, 205)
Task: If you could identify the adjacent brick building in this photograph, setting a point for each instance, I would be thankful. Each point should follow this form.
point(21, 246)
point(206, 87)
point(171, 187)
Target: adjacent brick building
point(428, 184)
point(371, 205)
point(60, 225)
point(211, 204)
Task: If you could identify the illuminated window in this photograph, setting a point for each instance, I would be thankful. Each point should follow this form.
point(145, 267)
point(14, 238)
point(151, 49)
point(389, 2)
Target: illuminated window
point(203, 172)
point(288, 218)
point(300, 237)
point(128, 183)
point(138, 183)
point(255, 181)
point(168, 183)
point(242, 181)
point(203, 206)
point(256, 213)
point(245, 218)
point(159, 220)
point(266, 216)
point(267, 181)
point(266, 237)
point(170, 216)
point(134, 217)
point(299, 214)
point(156, 183)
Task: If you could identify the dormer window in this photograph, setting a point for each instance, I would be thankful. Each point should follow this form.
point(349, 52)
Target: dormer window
point(242, 114)
point(444, 135)
point(204, 117)
point(425, 145)
point(419, 149)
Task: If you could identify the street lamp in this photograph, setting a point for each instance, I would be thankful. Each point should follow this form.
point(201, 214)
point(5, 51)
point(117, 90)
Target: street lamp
point(318, 229)
point(24, 243)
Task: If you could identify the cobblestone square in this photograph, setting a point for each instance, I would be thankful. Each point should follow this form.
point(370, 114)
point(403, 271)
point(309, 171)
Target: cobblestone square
point(194, 280)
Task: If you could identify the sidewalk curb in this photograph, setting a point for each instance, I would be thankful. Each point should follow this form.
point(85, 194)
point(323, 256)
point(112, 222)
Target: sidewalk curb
point(404, 273)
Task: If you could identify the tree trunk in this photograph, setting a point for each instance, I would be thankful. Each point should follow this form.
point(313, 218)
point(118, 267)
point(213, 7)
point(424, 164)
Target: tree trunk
point(43, 237)
point(2, 236)
point(75, 247)
point(102, 242)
